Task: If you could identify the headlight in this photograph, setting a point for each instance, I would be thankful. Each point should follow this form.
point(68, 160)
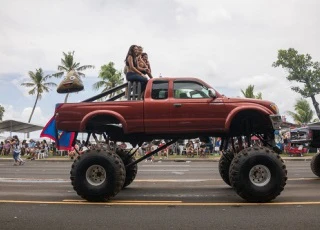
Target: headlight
point(274, 107)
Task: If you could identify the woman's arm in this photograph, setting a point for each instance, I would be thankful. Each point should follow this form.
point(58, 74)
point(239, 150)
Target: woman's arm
point(149, 70)
point(142, 66)
point(131, 66)
point(148, 65)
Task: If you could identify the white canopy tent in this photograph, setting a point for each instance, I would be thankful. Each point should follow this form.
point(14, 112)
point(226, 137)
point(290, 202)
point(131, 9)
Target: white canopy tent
point(18, 127)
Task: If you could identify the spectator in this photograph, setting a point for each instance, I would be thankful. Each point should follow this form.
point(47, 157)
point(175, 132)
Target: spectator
point(45, 148)
point(6, 148)
point(162, 152)
point(24, 147)
point(15, 143)
point(180, 146)
point(190, 148)
point(1, 147)
point(73, 152)
point(31, 151)
point(203, 149)
point(217, 145)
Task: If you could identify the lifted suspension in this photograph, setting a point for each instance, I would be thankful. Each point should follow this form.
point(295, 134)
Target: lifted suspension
point(152, 153)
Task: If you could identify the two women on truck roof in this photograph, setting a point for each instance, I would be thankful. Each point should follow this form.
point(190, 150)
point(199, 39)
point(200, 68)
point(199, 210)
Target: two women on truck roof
point(134, 72)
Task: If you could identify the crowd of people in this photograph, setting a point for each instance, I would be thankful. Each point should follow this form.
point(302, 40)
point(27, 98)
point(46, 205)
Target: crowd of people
point(32, 150)
point(188, 148)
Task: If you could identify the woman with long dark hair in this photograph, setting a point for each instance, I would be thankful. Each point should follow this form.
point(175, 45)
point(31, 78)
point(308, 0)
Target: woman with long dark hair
point(133, 73)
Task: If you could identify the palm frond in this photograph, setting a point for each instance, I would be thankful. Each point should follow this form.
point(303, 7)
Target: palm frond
point(62, 68)
point(46, 78)
point(81, 74)
point(50, 84)
point(32, 75)
point(98, 85)
point(84, 67)
point(60, 74)
point(32, 92)
point(28, 84)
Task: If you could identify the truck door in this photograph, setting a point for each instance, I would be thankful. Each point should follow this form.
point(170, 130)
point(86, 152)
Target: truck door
point(156, 108)
point(192, 109)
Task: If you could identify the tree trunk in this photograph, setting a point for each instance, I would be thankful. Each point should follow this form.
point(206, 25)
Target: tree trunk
point(66, 98)
point(34, 106)
point(316, 105)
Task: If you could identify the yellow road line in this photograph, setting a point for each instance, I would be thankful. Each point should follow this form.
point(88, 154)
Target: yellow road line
point(202, 180)
point(132, 201)
point(158, 203)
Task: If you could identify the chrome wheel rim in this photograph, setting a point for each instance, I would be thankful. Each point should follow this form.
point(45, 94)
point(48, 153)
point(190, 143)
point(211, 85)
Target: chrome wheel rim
point(96, 175)
point(260, 175)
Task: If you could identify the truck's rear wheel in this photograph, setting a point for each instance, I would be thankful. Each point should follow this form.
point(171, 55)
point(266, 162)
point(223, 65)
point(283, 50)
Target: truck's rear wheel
point(97, 176)
point(131, 172)
point(258, 174)
point(224, 165)
point(315, 164)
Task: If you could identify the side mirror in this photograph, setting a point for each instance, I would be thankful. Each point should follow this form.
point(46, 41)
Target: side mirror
point(212, 93)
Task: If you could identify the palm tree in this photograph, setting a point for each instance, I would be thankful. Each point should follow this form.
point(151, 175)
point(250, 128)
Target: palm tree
point(303, 113)
point(2, 110)
point(39, 85)
point(249, 93)
point(68, 64)
point(110, 78)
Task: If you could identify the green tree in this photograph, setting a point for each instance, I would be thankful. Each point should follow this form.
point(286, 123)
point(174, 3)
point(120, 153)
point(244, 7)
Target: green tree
point(2, 110)
point(67, 64)
point(110, 78)
point(303, 113)
point(249, 93)
point(303, 70)
point(38, 83)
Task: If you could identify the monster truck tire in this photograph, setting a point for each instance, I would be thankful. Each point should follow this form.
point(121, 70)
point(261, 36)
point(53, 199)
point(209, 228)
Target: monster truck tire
point(97, 175)
point(224, 165)
point(131, 172)
point(315, 164)
point(258, 174)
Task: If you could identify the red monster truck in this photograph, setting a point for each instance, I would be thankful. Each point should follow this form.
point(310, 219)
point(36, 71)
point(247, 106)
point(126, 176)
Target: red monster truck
point(172, 109)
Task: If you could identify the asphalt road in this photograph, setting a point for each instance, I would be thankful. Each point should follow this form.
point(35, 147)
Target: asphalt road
point(165, 195)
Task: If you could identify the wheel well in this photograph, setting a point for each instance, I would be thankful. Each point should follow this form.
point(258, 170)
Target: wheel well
point(104, 123)
point(249, 122)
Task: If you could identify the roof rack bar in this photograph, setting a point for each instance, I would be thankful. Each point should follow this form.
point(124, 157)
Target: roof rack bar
point(124, 85)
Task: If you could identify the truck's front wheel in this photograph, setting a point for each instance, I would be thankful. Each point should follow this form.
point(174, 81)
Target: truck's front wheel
point(258, 174)
point(97, 176)
point(315, 164)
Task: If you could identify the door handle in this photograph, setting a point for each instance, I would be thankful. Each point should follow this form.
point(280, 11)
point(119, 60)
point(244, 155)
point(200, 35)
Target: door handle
point(177, 105)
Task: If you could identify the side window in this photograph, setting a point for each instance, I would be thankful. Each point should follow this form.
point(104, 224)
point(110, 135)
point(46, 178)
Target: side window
point(190, 89)
point(159, 90)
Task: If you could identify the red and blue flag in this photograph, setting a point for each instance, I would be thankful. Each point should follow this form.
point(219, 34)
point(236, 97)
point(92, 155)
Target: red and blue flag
point(62, 139)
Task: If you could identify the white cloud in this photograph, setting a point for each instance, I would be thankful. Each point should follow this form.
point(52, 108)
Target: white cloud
point(12, 113)
point(207, 15)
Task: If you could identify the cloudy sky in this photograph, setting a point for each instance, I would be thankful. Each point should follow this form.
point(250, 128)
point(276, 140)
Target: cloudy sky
point(229, 44)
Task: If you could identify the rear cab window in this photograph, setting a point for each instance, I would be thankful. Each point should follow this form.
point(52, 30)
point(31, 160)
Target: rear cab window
point(159, 90)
